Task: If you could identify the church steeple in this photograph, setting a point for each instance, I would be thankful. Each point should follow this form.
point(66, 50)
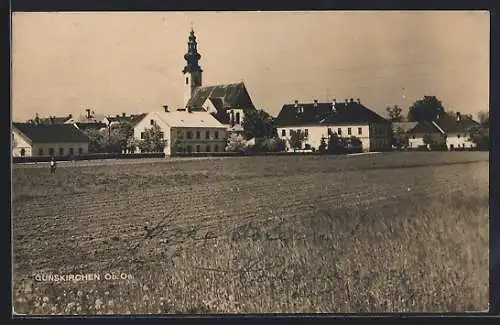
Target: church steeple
point(192, 71)
point(192, 56)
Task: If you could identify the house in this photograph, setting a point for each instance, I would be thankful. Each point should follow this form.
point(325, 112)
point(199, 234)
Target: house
point(185, 131)
point(31, 139)
point(435, 133)
point(320, 120)
point(133, 119)
point(228, 103)
point(450, 130)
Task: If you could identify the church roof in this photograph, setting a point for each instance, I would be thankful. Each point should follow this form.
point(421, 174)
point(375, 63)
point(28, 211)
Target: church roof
point(323, 113)
point(194, 119)
point(226, 96)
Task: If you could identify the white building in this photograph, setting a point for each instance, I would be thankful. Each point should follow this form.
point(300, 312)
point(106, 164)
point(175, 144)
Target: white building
point(348, 119)
point(30, 139)
point(185, 131)
point(452, 131)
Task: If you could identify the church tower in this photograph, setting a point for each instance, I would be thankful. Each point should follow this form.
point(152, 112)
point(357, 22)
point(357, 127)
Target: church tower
point(192, 71)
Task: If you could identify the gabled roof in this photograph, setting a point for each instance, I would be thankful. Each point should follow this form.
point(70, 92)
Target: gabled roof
point(90, 126)
point(403, 126)
point(133, 119)
point(450, 124)
point(323, 113)
point(54, 120)
point(424, 127)
point(84, 119)
point(195, 119)
point(226, 96)
point(51, 133)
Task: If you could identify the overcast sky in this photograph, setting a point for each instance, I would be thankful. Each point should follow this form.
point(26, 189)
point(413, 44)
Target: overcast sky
point(132, 61)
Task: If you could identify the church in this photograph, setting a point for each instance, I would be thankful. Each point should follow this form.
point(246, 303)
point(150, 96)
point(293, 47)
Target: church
point(227, 103)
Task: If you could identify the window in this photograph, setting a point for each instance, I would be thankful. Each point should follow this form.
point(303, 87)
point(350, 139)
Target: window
point(237, 118)
point(216, 134)
point(142, 135)
point(216, 148)
point(197, 148)
point(339, 131)
point(413, 137)
point(40, 152)
point(190, 135)
point(152, 122)
point(207, 149)
point(329, 131)
point(80, 151)
point(51, 151)
point(349, 131)
point(360, 131)
point(187, 80)
point(71, 151)
point(162, 135)
point(197, 134)
point(283, 133)
point(23, 152)
point(306, 133)
point(61, 151)
point(458, 136)
point(189, 149)
point(207, 135)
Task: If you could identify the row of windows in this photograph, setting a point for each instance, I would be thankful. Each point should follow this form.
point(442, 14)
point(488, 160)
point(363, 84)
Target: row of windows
point(143, 135)
point(197, 134)
point(339, 131)
point(198, 147)
point(51, 151)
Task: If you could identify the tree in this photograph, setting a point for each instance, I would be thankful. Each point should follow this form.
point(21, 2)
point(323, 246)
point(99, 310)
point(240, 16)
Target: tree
point(394, 113)
point(153, 140)
point(322, 145)
point(427, 139)
point(400, 138)
point(484, 119)
point(336, 144)
point(296, 139)
point(236, 143)
point(274, 144)
point(124, 132)
point(258, 124)
point(425, 109)
point(480, 136)
point(96, 140)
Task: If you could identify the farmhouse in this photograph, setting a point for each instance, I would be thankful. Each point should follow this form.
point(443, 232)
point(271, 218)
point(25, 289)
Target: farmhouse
point(30, 139)
point(185, 131)
point(320, 120)
point(228, 103)
point(453, 131)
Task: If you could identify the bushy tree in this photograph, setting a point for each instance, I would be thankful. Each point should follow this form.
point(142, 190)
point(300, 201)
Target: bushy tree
point(484, 119)
point(236, 143)
point(258, 124)
point(399, 138)
point(97, 142)
point(480, 136)
point(323, 145)
point(394, 113)
point(336, 144)
point(428, 139)
point(153, 140)
point(425, 109)
point(273, 144)
point(296, 139)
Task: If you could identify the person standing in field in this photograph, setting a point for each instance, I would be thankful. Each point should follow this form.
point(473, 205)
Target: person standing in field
point(52, 165)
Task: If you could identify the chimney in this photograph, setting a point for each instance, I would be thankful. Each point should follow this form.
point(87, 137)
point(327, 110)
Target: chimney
point(123, 114)
point(296, 103)
point(315, 103)
point(117, 115)
point(37, 119)
point(70, 116)
point(458, 116)
point(165, 107)
point(358, 100)
point(346, 101)
point(352, 100)
point(437, 116)
point(334, 102)
point(52, 119)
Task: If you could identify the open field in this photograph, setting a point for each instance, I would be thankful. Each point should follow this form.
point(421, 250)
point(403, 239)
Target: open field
point(391, 232)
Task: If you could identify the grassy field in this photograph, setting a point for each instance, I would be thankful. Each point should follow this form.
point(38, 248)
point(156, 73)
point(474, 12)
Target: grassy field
point(392, 232)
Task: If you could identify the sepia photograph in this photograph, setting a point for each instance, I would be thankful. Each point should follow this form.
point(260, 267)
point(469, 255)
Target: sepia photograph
point(250, 162)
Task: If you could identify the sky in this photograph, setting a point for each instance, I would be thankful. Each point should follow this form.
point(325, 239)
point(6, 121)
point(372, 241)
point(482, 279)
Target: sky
point(131, 62)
